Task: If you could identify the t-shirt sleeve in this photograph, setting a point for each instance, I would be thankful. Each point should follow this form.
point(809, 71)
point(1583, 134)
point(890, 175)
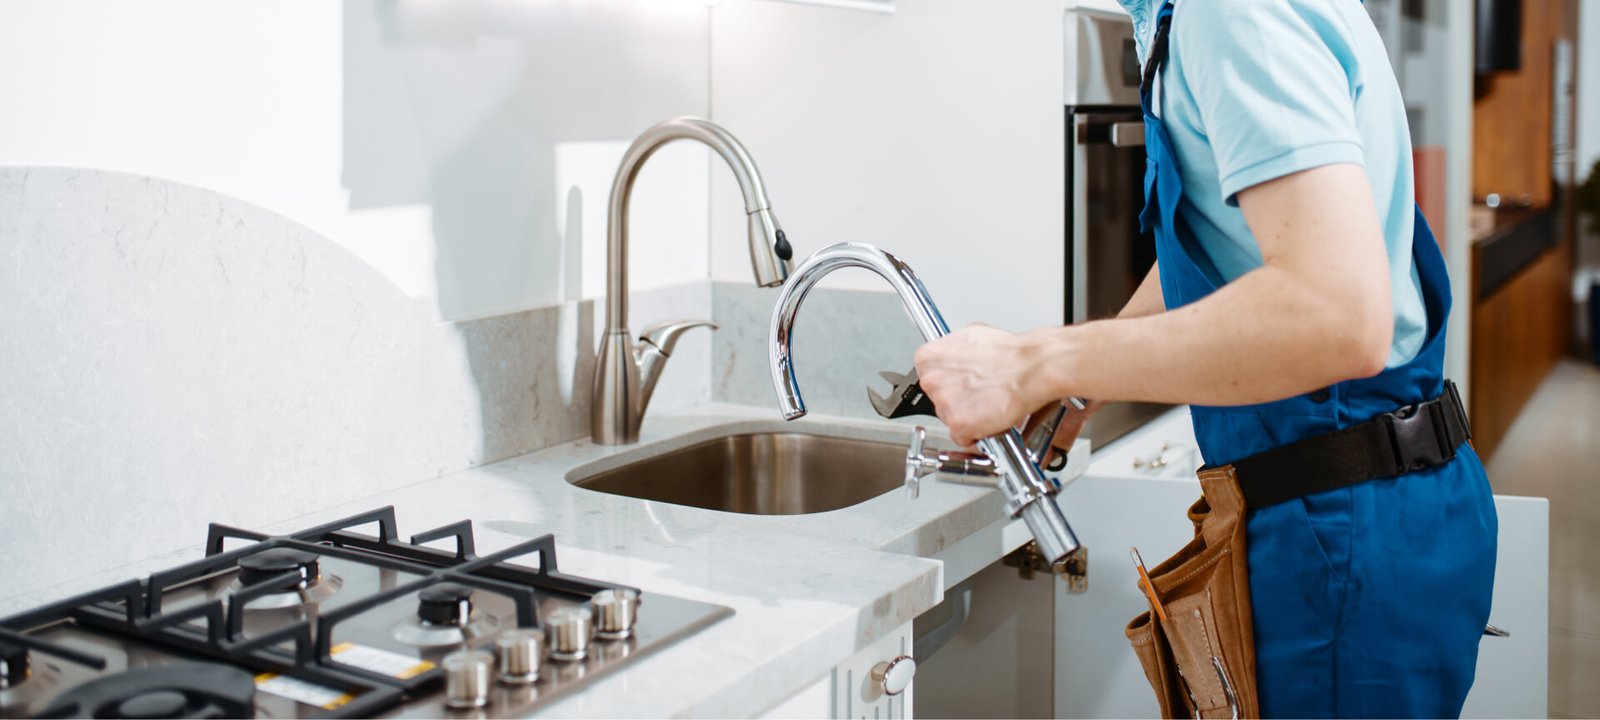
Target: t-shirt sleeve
point(1273, 84)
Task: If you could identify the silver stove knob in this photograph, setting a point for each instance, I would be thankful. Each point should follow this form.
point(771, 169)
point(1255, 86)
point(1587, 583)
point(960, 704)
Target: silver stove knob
point(615, 612)
point(570, 629)
point(519, 653)
point(466, 678)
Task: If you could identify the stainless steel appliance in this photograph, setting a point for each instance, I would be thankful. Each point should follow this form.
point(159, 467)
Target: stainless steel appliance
point(329, 622)
point(1107, 256)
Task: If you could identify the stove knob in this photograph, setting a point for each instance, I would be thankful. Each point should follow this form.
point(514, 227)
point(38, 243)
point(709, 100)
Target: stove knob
point(894, 677)
point(615, 612)
point(570, 630)
point(466, 678)
point(14, 665)
point(445, 604)
point(519, 652)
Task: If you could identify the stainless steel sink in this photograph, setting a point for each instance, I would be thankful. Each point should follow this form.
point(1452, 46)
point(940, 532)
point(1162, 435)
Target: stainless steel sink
point(768, 473)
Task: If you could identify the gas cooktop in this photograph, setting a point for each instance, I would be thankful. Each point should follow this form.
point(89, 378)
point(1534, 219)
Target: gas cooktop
point(329, 622)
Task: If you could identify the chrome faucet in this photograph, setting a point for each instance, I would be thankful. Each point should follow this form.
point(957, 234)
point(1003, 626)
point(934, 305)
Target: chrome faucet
point(1028, 493)
point(625, 374)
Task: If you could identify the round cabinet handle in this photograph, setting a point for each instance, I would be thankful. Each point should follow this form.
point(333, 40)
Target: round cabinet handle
point(894, 677)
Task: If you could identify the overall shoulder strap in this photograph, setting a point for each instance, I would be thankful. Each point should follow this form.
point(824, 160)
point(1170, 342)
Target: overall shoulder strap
point(1157, 58)
point(1158, 45)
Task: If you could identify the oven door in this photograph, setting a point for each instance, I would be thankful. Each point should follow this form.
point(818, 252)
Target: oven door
point(1108, 257)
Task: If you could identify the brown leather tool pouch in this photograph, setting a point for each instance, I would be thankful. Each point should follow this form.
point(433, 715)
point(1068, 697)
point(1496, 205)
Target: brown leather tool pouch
point(1201, 659)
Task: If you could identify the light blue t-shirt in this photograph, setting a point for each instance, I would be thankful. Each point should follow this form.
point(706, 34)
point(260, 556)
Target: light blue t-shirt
point(1258, 89)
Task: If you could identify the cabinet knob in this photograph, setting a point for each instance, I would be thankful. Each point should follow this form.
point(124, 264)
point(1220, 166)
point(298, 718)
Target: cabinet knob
point(894, 676)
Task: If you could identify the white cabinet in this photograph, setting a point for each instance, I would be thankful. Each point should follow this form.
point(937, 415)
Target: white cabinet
point(997, 662)
point(1512, 679)
point(1163, 447)
point(1096, 674)
point(856, 687)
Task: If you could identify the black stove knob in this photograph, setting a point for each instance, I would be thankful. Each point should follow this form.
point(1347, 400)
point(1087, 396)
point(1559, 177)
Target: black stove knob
point(13, 665)
point(154, 704)
point(445, 604)
point(268, 564)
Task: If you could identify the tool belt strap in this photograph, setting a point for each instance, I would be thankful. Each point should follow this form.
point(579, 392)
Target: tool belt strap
point(1412, 438)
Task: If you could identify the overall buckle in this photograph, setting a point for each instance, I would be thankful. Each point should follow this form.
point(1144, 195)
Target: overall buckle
point(1417, 436)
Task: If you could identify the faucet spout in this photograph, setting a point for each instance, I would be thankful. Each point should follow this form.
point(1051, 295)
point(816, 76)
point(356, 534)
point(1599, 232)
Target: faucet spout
point(1029, 494)
point(770, 252)
point(919, 307)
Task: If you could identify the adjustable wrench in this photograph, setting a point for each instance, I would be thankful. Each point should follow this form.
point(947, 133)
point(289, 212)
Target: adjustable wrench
point(907, 398)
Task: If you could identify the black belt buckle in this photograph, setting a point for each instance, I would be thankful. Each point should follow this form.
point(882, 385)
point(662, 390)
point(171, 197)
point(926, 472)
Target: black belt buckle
point(1417, 435)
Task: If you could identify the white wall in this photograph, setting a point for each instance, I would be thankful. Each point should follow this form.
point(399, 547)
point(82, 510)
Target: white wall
point(1588, 86)
point(446, 144)
point(934, 132)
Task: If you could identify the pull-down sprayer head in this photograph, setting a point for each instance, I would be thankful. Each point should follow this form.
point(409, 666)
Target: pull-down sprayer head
point(1029, 495)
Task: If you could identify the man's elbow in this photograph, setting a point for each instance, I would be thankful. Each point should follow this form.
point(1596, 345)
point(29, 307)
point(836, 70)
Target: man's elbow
point(1364, 344)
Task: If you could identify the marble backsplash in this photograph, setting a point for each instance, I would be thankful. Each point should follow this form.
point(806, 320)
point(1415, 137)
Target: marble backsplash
point(170, 356)
point(842, 339)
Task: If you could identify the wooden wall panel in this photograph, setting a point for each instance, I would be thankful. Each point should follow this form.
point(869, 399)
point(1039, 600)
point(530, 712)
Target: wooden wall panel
point(1518, 335)
point(1511, 123)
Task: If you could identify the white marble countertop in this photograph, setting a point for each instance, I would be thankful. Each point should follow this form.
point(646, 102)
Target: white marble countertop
point(807, 591)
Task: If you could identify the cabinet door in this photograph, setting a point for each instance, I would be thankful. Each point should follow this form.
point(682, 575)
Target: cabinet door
point(851, 690)
point(1096, 674)
point(1513, 672)
point(857, 693)
point(1164, 447)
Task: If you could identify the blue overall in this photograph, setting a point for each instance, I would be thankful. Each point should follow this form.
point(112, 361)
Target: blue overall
point(1370, 600)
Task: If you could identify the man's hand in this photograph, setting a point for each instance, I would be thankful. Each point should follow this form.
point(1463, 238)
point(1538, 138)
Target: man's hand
point(978, 378)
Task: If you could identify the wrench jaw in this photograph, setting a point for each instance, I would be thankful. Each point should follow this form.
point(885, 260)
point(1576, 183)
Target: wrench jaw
point(883, 405)
point(886, 405)
point(905, 398)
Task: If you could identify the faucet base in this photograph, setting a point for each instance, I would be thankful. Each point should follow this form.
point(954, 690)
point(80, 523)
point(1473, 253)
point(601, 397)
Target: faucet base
point(613, 419)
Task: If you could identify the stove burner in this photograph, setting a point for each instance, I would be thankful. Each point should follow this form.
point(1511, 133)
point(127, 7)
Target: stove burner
point(265, 565)
point(445, 616)
point(312, 587)
point(445, 604)
point(183, 690)
point(14, 665)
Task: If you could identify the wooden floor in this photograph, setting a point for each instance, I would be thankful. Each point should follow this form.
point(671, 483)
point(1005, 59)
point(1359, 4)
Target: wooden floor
point(1553, 450)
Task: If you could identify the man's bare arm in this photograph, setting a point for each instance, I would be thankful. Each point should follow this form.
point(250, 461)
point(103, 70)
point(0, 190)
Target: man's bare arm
point(1318, 311)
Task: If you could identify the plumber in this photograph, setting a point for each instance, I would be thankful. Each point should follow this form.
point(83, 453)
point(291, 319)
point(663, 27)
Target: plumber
point(1299, 307)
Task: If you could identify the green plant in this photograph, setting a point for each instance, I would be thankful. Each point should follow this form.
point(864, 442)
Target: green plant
point(1588, 197)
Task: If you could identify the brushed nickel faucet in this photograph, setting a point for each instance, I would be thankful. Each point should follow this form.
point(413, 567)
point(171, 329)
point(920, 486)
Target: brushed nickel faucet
point(1028, 493)
point(626, 373)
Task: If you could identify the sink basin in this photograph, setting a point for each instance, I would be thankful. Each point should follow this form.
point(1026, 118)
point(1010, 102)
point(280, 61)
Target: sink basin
point(764, 473)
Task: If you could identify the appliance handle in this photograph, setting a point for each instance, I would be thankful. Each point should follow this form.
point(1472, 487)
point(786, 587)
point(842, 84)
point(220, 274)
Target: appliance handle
point(1127, 134)
point(1092, 130)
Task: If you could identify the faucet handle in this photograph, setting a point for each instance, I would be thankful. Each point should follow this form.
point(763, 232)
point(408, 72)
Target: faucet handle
point(916, 462)
point(654, 347)
point(664, 334)
point(960, 466)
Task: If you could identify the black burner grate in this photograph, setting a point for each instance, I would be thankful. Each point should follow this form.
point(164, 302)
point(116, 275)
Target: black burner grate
point(303, 648)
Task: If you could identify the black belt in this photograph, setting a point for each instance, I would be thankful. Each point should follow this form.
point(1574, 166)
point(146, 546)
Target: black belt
point(1415, 437)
